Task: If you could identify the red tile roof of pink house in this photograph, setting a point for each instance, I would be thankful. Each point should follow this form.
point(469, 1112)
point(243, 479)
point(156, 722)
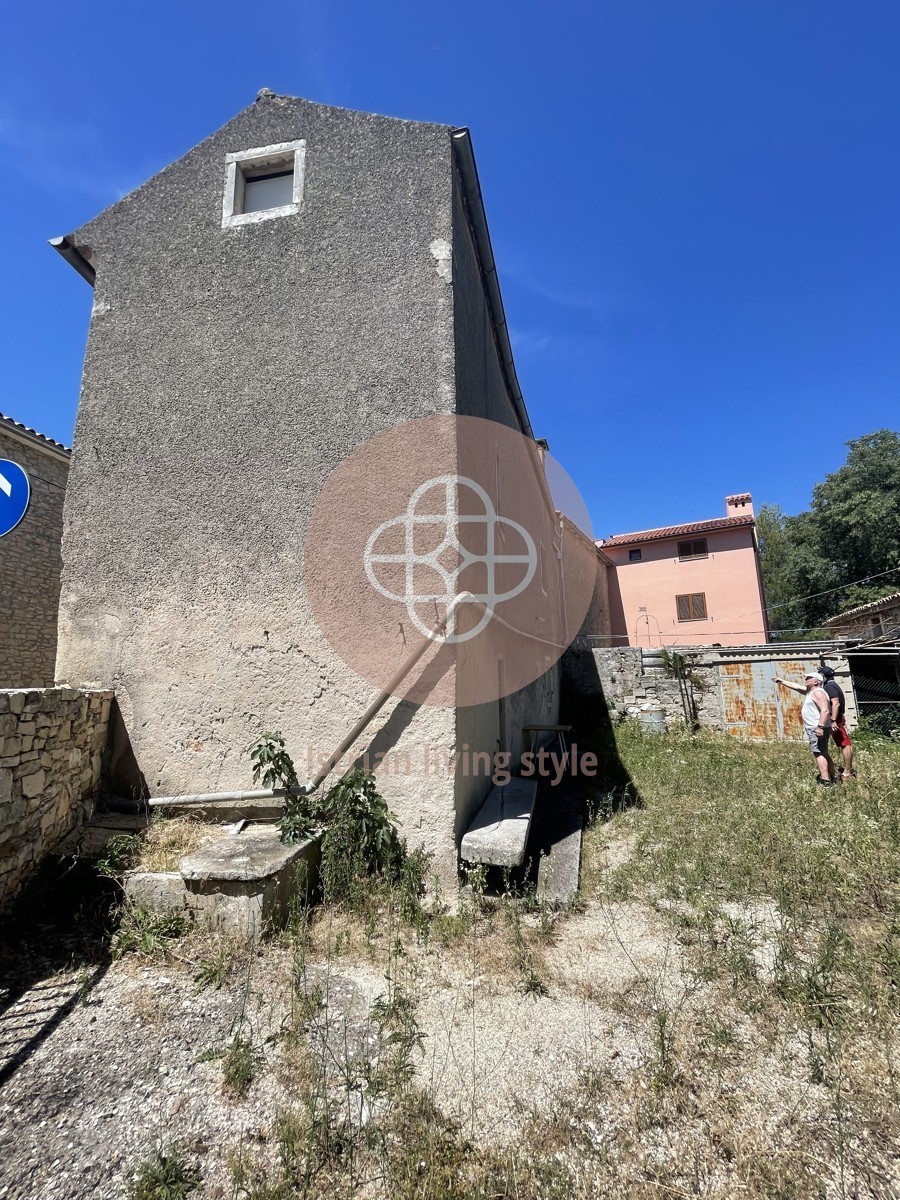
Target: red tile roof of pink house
point(674, 531)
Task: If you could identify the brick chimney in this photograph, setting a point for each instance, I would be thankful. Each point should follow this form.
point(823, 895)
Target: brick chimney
point(740, 505)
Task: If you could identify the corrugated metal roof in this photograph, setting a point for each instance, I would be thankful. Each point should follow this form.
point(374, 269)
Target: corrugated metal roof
point(872, 606)
point(33, 433)
point(673, 531)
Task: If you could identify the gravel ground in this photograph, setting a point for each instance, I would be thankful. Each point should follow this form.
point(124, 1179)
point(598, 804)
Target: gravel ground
point(111, 1072)
point(120, 1075)
point(103, 1064)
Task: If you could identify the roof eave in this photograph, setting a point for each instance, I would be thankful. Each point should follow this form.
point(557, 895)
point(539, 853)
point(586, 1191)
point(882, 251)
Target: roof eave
point(27, 437)
point(713, 525)
point(66, 247)
point(461, 140)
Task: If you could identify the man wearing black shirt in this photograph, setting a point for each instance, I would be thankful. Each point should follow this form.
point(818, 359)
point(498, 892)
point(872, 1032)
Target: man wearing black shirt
point(838, 725)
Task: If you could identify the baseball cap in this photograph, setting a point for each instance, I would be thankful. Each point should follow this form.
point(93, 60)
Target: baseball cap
point(826, 672)
point(814, 675)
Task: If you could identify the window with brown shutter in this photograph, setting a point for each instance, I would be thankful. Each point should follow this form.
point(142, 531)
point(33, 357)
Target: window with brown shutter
point(691, 607)
point(694, 549)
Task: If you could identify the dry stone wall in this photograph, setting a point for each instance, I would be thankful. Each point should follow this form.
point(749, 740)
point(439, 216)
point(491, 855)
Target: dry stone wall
point(51, 748)
point(629, 683)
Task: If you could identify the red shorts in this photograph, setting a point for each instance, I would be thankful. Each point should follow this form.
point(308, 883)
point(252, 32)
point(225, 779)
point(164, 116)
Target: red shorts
point(840, 734)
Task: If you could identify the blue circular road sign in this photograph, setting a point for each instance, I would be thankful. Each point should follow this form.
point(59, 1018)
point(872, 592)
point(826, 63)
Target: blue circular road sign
point(15, 492)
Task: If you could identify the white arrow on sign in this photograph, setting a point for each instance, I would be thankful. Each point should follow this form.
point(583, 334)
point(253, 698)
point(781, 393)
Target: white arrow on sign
point(5, 485)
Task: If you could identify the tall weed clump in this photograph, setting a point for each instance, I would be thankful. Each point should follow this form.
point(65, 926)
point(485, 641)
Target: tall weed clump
point(360, 842)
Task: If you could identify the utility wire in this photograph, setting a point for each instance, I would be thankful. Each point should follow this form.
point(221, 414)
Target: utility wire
point(827, 592)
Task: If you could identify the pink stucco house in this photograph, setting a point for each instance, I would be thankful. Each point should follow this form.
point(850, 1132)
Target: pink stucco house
point(689, 585)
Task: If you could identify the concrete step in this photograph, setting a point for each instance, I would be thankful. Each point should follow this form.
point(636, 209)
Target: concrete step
point(499, 832)
point(244, 883)
point(101, 828)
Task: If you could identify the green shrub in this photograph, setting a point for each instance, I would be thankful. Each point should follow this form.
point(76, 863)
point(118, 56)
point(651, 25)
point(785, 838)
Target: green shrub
point(359, 839)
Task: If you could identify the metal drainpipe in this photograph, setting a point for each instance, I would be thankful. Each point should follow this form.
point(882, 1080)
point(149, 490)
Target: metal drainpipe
point(377, 704)
point(561, 575)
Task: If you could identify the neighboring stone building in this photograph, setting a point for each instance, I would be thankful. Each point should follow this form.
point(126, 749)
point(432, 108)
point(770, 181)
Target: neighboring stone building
point(689, 585)
point(30, 560)
point(301, 281)
point(877, 619)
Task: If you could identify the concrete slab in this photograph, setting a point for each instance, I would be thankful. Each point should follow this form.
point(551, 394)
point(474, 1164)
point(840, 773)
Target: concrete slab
point(554, 846)
point(244, 884)
point(499, 833)
point(158, 891)
point(253, 855)
point(101, 828)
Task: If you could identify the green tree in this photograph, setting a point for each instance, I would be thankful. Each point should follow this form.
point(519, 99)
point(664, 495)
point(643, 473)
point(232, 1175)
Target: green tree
point(857, 511)
point(850, 532)
point(793, 567)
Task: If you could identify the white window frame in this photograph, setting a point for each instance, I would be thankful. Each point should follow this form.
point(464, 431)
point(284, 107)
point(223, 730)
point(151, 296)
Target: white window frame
point(283, 156)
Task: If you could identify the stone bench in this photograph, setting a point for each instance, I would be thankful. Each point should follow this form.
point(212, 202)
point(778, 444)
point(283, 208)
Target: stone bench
point(499, 832)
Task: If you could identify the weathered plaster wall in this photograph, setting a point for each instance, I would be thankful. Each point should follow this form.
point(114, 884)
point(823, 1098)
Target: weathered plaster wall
point(228, 371)
point(51, 746)
point(30, 567)
point(482, 391)
point(582, 562)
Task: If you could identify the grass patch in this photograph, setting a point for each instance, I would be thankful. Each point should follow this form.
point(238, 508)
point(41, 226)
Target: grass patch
point(166, 1176)
point(147, 933)
point(725, 820)
point(239, 1066)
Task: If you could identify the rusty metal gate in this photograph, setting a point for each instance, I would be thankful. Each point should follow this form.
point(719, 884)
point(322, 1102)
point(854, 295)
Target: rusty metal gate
point(754, 706)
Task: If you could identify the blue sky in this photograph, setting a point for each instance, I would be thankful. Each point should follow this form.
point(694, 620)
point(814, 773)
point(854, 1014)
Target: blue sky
point(694, 206)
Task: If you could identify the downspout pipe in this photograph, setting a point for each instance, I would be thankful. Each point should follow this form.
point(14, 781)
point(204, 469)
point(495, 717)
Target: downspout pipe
point(435, 635)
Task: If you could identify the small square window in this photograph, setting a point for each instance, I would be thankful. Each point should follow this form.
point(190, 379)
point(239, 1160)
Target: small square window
point(695, 549)
point(634, 556)
point(691, 607)
point(268, 191)
point(263, 183)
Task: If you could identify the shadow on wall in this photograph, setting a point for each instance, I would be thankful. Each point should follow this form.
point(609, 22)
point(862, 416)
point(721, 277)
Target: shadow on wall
point(387, 738)
point(566, 805)
point(123, 782)
point(583, 706)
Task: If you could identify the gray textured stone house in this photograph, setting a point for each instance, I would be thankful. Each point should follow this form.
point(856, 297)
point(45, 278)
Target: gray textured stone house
point(303, 279)
point(30, 559)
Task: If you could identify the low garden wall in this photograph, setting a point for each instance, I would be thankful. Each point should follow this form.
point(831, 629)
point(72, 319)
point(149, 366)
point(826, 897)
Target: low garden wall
point(51, 747)
point(728, 688)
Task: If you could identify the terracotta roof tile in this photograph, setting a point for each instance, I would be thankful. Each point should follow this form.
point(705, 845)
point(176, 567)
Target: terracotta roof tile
point(674, 531)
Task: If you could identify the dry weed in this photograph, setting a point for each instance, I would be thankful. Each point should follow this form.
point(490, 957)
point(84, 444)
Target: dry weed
point(167, 840)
